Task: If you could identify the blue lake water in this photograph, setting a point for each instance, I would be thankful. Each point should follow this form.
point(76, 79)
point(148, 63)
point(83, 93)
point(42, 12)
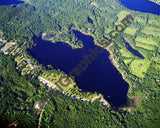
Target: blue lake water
point(90, 20)
point(142, 5)
point(100, 75)
point(10, 2)
point(133, 51)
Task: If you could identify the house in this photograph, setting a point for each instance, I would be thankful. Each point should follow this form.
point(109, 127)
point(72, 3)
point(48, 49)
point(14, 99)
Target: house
point(37, 106)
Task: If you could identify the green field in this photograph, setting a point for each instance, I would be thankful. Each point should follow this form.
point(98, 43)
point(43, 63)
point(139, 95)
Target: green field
point(57, 18)
point(150, 41)
point(121, 15)
point(124, 52)
point(139, 67)
point(127, 61)
point(154, 31)
point(131, 30)
point(146, 46)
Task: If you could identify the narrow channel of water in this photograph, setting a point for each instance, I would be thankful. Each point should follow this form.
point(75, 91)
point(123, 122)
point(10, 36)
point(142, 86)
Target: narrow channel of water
point(135, 52)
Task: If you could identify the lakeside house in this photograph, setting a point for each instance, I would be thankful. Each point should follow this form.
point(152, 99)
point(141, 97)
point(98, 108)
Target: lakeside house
point(6, 47)
point(28, 67)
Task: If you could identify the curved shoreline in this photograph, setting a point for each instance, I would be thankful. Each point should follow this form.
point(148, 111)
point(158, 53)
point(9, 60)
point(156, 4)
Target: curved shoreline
point(109, 57)
point(102, 100)
point(53, 86)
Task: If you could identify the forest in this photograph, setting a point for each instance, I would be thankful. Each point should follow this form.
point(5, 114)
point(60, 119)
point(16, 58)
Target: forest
point(19, 94)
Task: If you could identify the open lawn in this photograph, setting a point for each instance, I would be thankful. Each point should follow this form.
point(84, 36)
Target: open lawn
point(151, 41)
point(139, 20)
point(124, 52)
point(139, 67)
point(121, 15)
point(131, 30)
point(127, 61)
point(152, 31)
point(59, 79)
point(143, 45)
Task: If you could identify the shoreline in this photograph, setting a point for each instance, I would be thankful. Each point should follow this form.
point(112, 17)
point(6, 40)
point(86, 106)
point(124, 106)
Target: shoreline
point(102, 100)
point(100, 96)
point(109, 57)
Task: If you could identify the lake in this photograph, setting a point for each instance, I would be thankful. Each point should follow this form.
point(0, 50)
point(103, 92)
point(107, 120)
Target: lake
point(10, 2)
point(133, 51)
point(142, 5)
point(100, 75)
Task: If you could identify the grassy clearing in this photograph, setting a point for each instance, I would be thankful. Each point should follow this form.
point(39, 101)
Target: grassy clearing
point(70, 89)
point(127, 61)
point(139, 67)
point(139, 20)
point(57, 79)
point(121, 15)
point(107, 31)
point(151, 31)
point(146, 46)
point(144, 40)
point(94, 4)
point(124, 52)
point(138, 103)
point(131, 30)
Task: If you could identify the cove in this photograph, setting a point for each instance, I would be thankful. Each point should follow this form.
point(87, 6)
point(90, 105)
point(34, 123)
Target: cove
point(100, 75)
point(145, 6)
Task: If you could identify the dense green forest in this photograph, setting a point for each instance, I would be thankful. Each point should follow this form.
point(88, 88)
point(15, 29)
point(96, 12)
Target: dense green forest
point(57, 19)
point(20, 93)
